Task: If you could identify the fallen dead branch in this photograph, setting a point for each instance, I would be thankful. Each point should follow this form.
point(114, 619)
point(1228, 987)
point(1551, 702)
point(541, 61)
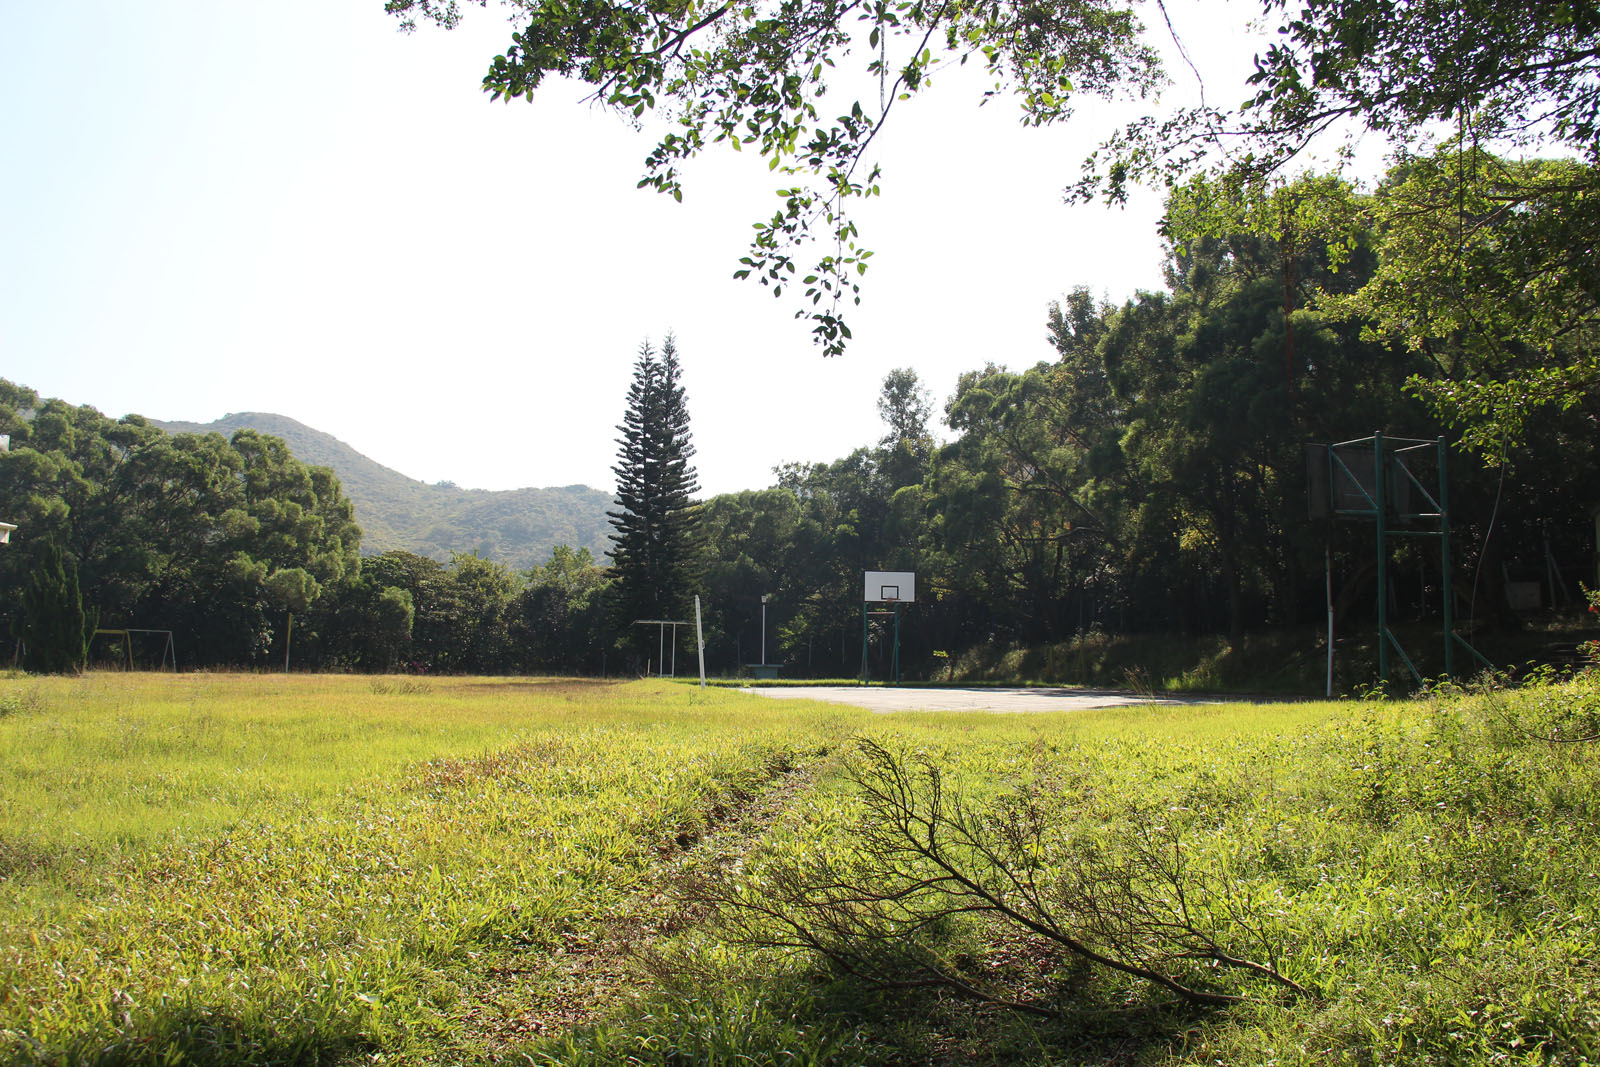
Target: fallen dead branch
point(1127, 899)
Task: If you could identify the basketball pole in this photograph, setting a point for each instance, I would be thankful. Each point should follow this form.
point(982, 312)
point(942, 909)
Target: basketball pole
point(863, 642)
point(884, 587)
point(894, 656)
point(894, 665)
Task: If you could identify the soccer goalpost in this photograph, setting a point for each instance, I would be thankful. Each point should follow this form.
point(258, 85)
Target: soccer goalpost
point(662, 670)
point(169, 652)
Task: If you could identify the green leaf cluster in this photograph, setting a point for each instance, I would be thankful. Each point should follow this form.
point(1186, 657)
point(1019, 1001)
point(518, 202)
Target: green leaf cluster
point(807, 84)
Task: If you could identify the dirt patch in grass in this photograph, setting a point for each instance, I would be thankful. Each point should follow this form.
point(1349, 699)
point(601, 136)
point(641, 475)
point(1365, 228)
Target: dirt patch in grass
point(21, 860)
point(543, 685)
point(536, 991)
point(507, 764)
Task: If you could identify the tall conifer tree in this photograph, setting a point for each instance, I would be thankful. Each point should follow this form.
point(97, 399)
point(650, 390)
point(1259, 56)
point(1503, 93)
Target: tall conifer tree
point(653, 546)
point(53, 628)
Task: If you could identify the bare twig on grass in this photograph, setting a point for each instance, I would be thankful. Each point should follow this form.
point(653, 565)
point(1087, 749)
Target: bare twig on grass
point(919, 861)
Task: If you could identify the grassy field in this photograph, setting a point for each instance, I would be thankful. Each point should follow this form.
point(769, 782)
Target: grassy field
point(235, 869)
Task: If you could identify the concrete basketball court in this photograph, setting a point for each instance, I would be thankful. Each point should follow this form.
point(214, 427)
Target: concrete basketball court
point(882, 698)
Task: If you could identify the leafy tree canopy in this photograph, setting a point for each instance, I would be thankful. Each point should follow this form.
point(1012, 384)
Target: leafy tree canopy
point(53, 627)
point(183, 531)
point(1486, 266)
point(807, 84)
point(1481, 264)
point(1523, 75)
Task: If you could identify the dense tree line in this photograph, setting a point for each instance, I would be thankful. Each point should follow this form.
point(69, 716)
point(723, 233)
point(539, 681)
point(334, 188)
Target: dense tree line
point(212, 538)
point(222, 540)
point(1152, 476)
point(1148, 478)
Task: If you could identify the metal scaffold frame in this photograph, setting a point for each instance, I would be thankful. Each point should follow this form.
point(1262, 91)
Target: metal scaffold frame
point(1386, 494)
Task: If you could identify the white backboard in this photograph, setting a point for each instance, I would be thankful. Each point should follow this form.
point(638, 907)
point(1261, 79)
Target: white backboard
point(884, 586)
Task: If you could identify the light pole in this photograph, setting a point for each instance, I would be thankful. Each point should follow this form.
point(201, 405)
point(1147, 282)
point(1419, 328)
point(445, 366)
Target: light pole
point(764, 598)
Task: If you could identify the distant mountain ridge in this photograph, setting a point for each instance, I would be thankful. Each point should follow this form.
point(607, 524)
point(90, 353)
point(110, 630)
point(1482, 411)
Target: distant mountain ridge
point(517, 527)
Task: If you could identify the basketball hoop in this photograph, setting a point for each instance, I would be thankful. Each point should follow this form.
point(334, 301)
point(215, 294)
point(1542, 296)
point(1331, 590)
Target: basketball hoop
point(882, 594)
point(889, 587)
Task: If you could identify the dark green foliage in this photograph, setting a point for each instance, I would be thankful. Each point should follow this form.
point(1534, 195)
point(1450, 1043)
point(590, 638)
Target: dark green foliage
point(53, 628)
point(903, 406)
point(1217, 395)
point(1477, 266)
point(224, 541)
point(653, 554)
point(1520, 76)
point(429, 616)
point(1025, 502)
point(1486, 265)
point(1523, 72)
point(558, 623)
point(177, 532)
point(481, 596)
point(368, 625)
point(1148, 480)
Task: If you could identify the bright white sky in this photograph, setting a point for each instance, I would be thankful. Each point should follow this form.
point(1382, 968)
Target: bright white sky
point(215, 207)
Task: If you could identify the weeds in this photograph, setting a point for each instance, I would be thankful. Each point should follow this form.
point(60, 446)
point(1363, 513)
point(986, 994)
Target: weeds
point(400, 686)
point(19, 702)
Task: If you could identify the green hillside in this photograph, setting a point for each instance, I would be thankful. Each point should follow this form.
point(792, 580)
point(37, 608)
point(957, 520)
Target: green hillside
point(518, 527)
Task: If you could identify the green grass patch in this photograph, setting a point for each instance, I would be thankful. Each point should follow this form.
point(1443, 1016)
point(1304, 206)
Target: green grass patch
point(263, 869)
point(236, 869)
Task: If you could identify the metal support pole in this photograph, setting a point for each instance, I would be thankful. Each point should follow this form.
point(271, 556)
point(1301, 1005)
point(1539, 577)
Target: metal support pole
point(863, 642)
point(1328, 578)
point(1380, 500)
point(894, 668)
point(700, 640)
point(1444, 562)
